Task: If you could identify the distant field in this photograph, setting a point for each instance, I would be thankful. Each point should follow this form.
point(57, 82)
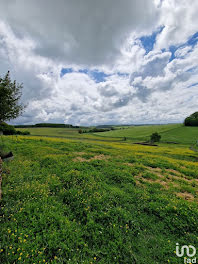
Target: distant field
point(170, 133)
point(68, 201)
point(63, 133)
point(182, 134)
point(138, 132)
point(50, 131)
point(176, 133)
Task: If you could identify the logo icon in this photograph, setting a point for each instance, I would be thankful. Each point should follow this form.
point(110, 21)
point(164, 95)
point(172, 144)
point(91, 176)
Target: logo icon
point(185, 250)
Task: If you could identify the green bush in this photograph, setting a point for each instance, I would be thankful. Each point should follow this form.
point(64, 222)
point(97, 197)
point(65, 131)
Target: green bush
point(191, 120)
point(155, 137)
point(95, 130)
point(7, 129)
point(10, 130)
point(18, 132)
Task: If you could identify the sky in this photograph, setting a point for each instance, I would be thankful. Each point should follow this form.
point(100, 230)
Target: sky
point(90, 62)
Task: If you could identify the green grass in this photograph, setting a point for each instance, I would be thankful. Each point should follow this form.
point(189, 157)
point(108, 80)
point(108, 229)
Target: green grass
point(139, 132)
point(50, 131)
point(63, 133)
point(169, 133)
point(68, 201)
point(183, 135)
point(176, 133)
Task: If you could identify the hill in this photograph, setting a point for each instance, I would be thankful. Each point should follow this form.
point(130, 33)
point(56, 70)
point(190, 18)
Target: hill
point(175, 133)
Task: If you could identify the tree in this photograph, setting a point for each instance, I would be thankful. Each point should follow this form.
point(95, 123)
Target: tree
point(191, 120)
point(155, 137)
point(10, 94)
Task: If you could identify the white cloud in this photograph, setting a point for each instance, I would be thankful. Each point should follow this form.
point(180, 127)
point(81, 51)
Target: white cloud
point(81, 32)
point(180, 20)
point(181, 52)
point(38, 39)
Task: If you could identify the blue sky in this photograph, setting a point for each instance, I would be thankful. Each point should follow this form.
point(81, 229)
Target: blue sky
point(191, 42)
point(97, 75)
point(148, 41)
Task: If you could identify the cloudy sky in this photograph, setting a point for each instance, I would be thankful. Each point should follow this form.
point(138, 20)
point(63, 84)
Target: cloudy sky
point(90, 62)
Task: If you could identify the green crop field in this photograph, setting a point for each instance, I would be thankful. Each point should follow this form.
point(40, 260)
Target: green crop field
point(137, 132)
point(183, 135)
point(64, 133)
point(74, 201)
point(170, 133)
point(49, 131)
point(175, 133)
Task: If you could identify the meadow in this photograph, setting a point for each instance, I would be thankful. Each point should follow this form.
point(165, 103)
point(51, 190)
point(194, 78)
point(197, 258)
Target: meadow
point(171, 133)
point(139, 132)
point(71, 133)
point(90, 201)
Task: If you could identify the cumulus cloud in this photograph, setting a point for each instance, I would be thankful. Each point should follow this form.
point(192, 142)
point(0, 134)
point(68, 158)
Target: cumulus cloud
point(181, 52)
point(180, 19)
point(85, 32)
point(109, 77)
point(27, 67)
point(180, 72)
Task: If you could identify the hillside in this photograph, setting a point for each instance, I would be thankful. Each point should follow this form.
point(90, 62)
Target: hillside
point(176, 133)
point(139, 132)
point(64, 133)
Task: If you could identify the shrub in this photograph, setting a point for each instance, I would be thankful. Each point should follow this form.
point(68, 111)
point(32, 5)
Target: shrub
point(95, 130)
point(18, 132)
point(7, 129)
point(155, 137)
point(191, 120)
point(10, 130)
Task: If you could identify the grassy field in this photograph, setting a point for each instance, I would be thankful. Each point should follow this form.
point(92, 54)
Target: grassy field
point(175, 133)
point(183, 135)
point(72, 201)
point(139, 132)
point(169, 133)
point(64, 133)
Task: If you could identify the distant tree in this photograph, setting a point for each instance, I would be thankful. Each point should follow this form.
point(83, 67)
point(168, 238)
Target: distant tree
point(155, 137)
point(191, 120)
point(10, 94)
point(80, 131)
